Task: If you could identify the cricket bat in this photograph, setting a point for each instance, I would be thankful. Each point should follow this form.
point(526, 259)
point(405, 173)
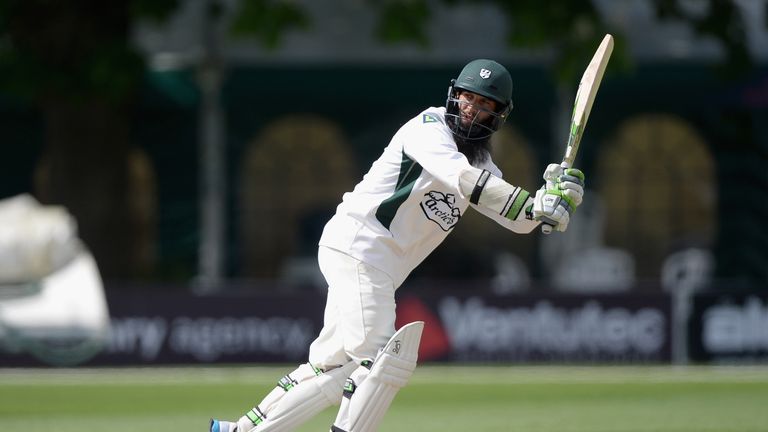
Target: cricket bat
point(585, 98)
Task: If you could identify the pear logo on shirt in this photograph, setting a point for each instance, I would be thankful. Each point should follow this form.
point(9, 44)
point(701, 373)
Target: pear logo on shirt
point(438, 207)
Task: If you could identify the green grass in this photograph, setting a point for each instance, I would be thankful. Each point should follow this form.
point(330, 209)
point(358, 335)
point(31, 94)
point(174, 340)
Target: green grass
point(439, 398)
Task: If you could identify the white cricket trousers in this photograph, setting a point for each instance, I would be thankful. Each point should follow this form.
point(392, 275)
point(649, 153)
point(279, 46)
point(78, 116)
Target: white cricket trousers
point(359, 311)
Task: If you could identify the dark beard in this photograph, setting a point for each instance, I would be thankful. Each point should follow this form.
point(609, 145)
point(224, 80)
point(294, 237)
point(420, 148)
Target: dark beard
point(476, 151)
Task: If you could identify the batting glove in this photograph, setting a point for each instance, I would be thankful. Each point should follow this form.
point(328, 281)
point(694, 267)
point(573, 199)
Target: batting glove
point(558, 198)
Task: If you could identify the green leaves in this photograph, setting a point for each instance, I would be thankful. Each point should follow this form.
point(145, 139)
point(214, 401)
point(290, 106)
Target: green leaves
point(403, 21)
point(82, 46)
point(268, 20)
point(570, 31)
point(719, 19)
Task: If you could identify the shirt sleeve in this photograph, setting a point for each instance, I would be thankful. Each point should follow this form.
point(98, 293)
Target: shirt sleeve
point(431, 145)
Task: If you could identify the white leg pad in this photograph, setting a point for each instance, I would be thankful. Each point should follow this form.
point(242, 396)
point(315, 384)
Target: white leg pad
point(258, 413)
point(363, 410)
point(305, 400)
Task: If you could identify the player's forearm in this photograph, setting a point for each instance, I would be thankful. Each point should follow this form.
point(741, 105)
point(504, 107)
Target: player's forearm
point(488, 191)
point(522, 226)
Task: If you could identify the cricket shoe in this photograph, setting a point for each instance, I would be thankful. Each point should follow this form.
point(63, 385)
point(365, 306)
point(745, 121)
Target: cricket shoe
point(223, 426)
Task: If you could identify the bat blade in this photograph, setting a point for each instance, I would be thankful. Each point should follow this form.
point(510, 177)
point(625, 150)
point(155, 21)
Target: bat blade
point(585, 98)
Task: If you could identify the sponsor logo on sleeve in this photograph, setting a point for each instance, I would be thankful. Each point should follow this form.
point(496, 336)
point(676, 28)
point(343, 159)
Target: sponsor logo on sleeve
point(439, 208)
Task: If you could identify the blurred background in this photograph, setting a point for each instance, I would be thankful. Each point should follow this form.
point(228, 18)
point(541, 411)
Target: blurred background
point(194, 149)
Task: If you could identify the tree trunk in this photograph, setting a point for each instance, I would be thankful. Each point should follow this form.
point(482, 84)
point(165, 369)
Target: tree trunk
point(85, 168)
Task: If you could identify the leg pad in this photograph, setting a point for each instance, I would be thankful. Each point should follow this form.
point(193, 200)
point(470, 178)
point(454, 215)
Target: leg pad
point(363, 409)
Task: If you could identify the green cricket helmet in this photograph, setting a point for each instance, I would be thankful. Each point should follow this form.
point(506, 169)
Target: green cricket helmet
point(486, 78)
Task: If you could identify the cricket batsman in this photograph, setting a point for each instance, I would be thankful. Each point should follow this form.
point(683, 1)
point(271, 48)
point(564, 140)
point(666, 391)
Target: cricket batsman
point(435, 167)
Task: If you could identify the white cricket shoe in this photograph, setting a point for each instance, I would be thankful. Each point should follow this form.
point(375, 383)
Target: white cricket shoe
point(223, 426)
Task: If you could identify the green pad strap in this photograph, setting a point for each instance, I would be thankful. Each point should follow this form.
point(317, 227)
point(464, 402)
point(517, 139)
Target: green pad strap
point(255, 416)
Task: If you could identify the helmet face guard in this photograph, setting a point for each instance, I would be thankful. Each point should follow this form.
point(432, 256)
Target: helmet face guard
point(486, 78)
point(476, 129)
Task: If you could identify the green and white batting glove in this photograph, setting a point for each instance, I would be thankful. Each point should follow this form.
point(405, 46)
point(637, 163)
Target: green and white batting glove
point(558, 198)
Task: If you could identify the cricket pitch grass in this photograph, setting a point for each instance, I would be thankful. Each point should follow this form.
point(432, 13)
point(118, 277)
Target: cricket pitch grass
point(439, 399)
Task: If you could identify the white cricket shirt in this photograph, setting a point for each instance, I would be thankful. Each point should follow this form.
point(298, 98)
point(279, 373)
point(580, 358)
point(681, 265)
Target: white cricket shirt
point(409, 200)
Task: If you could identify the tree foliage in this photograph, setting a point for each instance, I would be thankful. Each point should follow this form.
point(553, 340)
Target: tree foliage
point(571, 30)
point(74, 49)
point(568, 30)
point(268, 20)
point(77, 48)
point(720, 19)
